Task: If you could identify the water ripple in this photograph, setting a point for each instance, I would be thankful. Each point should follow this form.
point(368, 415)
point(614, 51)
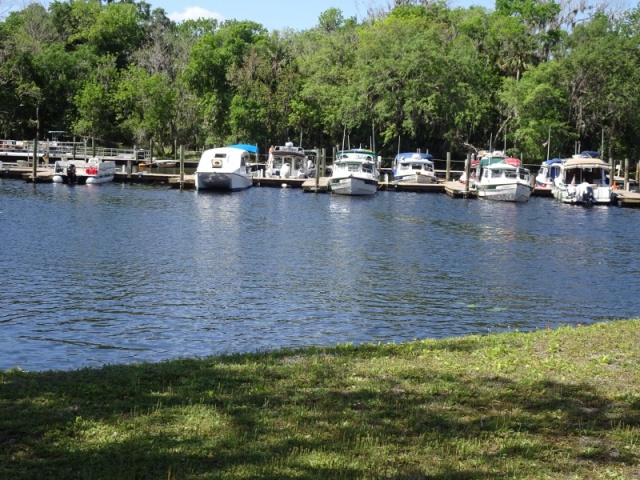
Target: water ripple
point(130, 273)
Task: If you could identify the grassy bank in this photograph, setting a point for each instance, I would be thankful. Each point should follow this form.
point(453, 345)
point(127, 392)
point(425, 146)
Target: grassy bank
point(554, 404)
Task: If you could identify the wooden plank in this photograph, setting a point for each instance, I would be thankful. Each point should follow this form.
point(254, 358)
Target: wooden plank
point(310, 185)
point(623, 198)
point(458, 190)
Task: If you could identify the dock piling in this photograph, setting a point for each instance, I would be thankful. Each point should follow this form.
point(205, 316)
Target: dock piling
point(467, 171)
point(181, 167)
point(35, 160)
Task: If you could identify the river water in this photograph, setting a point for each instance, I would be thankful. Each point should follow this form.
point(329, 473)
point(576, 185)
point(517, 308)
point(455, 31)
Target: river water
point(119, 273)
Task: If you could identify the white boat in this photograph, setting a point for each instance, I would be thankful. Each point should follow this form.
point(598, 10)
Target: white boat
point(91, 171)
point(354, 172)
point(548, 172)
point(413, 168)
point(287, 161)
point(504, 182)
point(225, 168)
point(583, 180)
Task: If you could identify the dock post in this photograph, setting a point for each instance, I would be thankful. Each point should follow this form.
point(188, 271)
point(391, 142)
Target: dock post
point(151, 150)
point(319, 164)
point(448, 174)
point(128, 168)
point(181, 167)
point(612, 172)
point(467, 171)
point(35, 159)
point(626, 174)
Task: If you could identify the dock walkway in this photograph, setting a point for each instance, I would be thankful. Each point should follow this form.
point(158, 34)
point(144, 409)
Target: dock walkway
point(455, 189)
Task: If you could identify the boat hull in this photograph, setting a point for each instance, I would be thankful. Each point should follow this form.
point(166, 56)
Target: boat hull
point(519, 192)
point(223, 181)
point(416, 178)
point(582, 194)
point(86, 173)
point(353, 186)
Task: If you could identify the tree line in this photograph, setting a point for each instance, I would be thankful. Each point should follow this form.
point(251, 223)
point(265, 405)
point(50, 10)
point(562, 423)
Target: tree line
point(411, 75)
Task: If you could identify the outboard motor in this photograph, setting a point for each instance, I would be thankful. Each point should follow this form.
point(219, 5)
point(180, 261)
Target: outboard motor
point(71, 173)
point(585, 194)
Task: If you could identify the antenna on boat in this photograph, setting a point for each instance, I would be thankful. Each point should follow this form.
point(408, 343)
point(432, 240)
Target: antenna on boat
point(344, 134)
point(300, 144)
point(549, 142)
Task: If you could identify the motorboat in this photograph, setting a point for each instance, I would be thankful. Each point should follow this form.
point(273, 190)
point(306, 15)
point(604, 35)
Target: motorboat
point(287, 161)
point(504, 182)
point(355, 172)
point(583, 180)
point(485, 158)
point(226, 168)
point(413, 168)
point(548, 172)
point(84, 172)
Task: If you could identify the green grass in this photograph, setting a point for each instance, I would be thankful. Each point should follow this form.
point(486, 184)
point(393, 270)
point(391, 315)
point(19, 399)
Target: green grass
point(556, 404)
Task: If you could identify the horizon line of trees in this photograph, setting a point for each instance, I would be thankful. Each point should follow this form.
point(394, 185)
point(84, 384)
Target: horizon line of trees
point(412, 75)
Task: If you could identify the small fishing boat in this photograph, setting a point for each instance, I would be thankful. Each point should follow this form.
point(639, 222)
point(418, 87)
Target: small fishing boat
point(583, 180)
point(354, 172)
point(504, 182)
point(226, 168)
point(413, 168)
point(287, 161)
point(84, 172)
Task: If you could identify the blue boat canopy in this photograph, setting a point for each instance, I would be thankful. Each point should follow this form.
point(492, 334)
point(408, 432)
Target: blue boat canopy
point(553, 161)
point(243, 146)
point(589, 154)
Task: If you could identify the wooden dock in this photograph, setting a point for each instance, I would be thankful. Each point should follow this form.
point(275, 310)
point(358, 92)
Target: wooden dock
point(622, 198)
point(455, 189)
point(459, 190)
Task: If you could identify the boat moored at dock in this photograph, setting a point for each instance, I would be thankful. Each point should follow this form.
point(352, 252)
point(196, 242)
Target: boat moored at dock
point(81, 172)
point(355, 172)
point(287, 161)
point(504, 182)
point(413, 168)
point(225, 168)
point(583, 180)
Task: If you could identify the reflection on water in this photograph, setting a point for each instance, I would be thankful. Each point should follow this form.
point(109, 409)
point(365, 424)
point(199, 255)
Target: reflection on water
point(126, 273)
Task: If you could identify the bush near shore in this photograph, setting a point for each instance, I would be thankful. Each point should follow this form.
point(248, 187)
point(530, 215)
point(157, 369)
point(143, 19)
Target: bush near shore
point(555, 404)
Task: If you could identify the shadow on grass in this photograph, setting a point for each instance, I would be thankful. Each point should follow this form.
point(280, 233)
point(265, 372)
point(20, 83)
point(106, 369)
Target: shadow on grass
point(257, 416)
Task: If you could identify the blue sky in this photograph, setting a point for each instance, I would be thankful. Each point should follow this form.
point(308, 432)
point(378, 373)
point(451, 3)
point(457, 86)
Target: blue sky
point(277, 14)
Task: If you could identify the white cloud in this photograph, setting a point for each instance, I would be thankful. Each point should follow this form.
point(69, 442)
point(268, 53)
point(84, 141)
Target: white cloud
point(194, 13)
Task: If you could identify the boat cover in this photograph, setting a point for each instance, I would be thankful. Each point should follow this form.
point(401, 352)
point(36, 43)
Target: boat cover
point(243, 146)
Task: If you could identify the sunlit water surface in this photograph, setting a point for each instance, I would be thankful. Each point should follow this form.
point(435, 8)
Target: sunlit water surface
point(95, 275)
